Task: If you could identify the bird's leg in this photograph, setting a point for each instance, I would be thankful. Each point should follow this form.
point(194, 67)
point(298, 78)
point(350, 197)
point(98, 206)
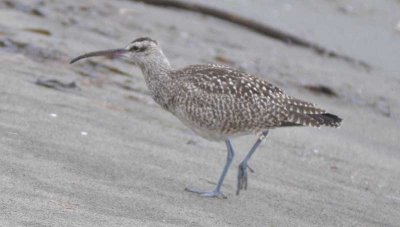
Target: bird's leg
point(242, 173)
point(217, 190)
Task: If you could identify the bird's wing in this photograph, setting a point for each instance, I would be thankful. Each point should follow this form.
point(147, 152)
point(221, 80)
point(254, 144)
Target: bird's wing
point(246, 95)
point(234, 98)
point(220, 80)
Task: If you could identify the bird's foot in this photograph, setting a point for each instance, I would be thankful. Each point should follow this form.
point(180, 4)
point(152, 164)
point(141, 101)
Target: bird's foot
point(210, 194)
point(242, 177)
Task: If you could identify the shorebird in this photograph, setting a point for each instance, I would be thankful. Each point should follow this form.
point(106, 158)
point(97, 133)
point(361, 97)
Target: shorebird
point(218, 102)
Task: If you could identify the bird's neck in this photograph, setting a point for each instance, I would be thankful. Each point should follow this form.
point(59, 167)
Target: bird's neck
point(155, 67)
point(156, 74)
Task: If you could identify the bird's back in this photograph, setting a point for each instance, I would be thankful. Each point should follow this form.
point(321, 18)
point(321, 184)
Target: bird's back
point(218, 102)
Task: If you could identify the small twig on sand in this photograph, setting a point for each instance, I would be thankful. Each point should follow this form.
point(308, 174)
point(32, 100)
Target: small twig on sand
point(256, 27)
point(56, 84)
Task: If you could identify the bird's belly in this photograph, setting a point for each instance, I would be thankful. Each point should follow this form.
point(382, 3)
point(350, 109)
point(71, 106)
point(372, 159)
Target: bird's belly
point(212, 134)
point(211, 129)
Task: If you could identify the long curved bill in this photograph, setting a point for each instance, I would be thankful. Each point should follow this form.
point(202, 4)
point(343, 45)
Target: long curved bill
point(113, 52)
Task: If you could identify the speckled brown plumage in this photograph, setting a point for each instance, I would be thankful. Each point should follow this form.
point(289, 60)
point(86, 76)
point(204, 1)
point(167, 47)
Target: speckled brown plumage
point(220, 102)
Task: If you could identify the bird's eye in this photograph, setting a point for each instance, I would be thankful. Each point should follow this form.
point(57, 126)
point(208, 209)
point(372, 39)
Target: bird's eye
point(134, 48)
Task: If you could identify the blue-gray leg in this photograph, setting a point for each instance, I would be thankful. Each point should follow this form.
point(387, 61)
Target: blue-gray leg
point(242, 173)
point(217, 190)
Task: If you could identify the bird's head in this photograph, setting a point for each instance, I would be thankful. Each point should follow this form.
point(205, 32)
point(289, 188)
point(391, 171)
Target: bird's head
point(140, 51)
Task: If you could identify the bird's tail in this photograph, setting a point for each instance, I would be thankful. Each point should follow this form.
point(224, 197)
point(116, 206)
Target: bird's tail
point(327, 119)
point(313, 120)
point(303, 113)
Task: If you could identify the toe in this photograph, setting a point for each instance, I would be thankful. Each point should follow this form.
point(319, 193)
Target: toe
point(242, 178)
point(214, 194)
point(210, 194)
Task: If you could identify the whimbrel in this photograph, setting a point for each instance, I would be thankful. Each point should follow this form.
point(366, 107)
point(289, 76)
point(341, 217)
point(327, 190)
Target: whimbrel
point(218, 102)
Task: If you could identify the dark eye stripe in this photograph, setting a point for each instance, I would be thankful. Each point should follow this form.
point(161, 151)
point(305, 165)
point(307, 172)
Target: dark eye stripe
point(142, 49)
point(134, 48)
point(137, 49)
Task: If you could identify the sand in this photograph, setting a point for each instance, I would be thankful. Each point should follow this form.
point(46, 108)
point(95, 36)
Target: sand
point(104, 154)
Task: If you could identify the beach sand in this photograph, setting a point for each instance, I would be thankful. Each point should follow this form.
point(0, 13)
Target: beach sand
point(100, 152)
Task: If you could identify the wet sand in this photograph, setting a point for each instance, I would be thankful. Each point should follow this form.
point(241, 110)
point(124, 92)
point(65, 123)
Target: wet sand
point(102, 153)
